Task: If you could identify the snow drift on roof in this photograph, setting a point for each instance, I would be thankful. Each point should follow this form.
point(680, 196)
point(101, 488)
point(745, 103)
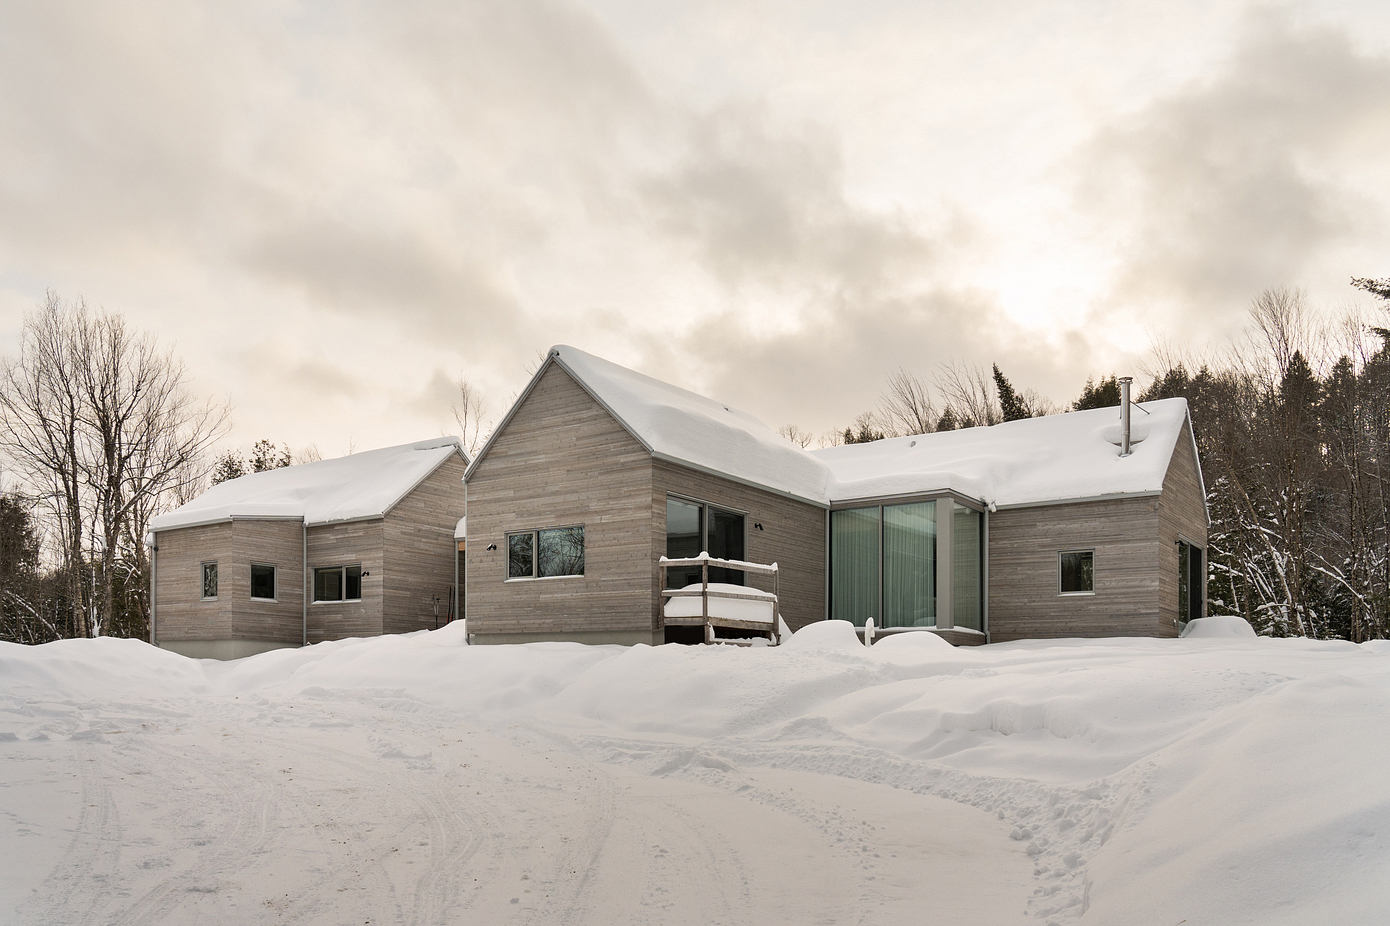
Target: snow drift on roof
point(361, 485)
point(1030, 461)
point(689, 428)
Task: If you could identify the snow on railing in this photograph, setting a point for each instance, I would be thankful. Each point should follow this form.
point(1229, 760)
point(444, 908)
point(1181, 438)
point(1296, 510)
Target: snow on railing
point(721, 604)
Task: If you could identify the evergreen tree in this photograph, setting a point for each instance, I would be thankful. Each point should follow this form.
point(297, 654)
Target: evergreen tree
point(1104, 394)
point(1013, 405)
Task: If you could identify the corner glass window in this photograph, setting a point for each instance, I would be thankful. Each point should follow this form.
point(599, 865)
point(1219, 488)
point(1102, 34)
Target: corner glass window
point(546, 554)
point(262, 582)
point(338, 583)
point(209, 580)
point(1077, 572)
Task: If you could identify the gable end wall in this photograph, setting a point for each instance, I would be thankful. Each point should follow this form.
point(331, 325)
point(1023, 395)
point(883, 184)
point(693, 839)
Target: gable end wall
point(561, 461)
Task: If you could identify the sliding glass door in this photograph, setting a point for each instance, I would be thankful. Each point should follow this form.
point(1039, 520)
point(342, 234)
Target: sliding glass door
point(693, 528)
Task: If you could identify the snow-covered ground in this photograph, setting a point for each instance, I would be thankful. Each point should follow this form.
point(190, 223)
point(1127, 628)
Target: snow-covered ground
point(415, 780)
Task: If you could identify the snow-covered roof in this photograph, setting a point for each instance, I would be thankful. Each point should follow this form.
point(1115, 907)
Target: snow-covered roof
point(357, 486)
point(678, 425)
point(461, 529)
point(1025, 462)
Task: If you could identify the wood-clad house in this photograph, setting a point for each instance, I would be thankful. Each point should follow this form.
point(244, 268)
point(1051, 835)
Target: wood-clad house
point(1035, 528)
point(355, 546)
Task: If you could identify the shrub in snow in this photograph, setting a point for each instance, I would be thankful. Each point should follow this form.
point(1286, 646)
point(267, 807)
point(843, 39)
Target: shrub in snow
point(1227, 626)
point(826, 636)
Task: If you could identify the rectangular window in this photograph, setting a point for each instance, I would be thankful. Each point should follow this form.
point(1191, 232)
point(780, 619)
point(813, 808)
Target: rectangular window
point(338, 583)
point(545, 554)
point(1076, 571)
point(262, 581)
point(209, 581)
point(909, 565)
point(1191, 597)
point(967, 573)
point(854, 564)
point(693, 528)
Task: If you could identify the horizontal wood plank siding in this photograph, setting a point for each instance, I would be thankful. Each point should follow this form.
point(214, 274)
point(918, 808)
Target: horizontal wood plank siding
point(420, 550)
point(347, 544)
point(1024, 544)
point(1182, 515)
point(181, 613)
point(793, 537)
point(562, 461)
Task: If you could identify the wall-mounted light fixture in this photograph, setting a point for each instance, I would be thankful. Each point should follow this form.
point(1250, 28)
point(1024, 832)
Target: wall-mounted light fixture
point(491, 547)
point(757, 525)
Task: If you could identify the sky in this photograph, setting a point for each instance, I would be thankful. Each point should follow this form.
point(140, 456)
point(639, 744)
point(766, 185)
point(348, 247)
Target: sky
point(330, 213)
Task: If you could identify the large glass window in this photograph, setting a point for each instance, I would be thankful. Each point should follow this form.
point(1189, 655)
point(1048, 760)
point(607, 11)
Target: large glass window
point(887, 562)
point(262, 581)
point(909, 565)
point(1076, 569)
point(854, 565)
point(693, 528)
point(545, 554)
point(209, 580)
point(967, 576)
point(338, 583)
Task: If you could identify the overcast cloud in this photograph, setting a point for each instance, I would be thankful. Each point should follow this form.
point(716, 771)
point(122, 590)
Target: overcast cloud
point(333, 212)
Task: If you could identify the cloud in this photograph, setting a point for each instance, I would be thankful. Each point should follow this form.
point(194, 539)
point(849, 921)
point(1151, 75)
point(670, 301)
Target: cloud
point(1242, 181)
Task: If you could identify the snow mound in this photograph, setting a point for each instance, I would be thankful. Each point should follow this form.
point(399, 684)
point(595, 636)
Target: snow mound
point(1224, 626)
point(825, 637)
point(913, 644)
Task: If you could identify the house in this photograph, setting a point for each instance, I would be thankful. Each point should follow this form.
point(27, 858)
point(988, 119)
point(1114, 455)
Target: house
point(355, 546)
point(1044, 527)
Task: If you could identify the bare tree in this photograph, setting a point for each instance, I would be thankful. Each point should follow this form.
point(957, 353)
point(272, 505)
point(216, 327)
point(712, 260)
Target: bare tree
point(797, 436)
point(968, 393)
point(906, 406)
point(101, 423)
point(468, 411)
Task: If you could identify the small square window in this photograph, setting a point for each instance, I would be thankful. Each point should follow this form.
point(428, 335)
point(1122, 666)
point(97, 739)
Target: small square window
point(209, 581)
point(338, 583)
point(1077, 572)
point(262, 582)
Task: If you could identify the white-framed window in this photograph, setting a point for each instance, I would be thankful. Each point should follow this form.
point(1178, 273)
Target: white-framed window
point(1076, 574)
point(209, 581)
point(262, 582)
point(545, 554)
point(338, 583)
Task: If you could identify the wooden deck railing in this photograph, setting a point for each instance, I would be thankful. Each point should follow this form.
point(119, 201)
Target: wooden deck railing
point(716, 605)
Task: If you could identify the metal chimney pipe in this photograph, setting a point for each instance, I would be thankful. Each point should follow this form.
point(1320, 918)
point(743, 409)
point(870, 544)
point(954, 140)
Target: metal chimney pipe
point(1125, 382)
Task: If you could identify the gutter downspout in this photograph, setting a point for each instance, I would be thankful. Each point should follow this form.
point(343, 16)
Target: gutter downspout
point(154, 585)
point(304, 582)
point(1125, 382)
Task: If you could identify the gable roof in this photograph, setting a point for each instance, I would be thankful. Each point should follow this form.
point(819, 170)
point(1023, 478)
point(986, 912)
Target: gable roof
point(355, 487)
point(1030, 461)
point(682, 427)
point(1033, 461)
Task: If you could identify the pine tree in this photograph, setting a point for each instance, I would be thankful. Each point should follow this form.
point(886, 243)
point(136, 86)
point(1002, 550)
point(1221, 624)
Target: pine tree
point(1013, 405)
point(1104, 394)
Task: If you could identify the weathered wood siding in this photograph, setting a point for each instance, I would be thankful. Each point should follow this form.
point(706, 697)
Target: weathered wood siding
point(182, 615)
point(420, 550)
point(1182, 515)
point(793, 537)
point(1024, 544)
point(347, 544)
point(561, 461)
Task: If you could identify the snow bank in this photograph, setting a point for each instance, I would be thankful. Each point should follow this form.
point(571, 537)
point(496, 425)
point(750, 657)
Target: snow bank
point(361, 485)
point(417, 778)
point(1224, 626)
